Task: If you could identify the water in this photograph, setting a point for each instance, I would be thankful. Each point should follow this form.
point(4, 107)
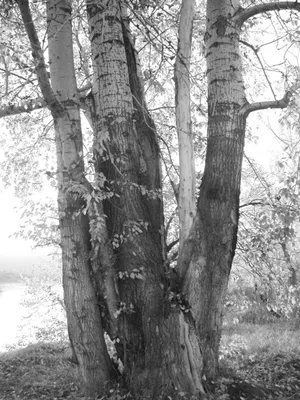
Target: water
point(11, 312)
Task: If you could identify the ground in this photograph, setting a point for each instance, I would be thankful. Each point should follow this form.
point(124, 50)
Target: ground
point(257, 362)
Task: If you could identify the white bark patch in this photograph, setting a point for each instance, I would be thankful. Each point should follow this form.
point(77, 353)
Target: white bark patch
point(187, 204)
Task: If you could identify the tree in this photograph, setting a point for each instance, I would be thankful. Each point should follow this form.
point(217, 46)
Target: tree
point(116, 276)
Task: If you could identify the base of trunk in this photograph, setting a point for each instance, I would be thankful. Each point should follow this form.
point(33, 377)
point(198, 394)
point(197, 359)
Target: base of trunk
point(173, 362)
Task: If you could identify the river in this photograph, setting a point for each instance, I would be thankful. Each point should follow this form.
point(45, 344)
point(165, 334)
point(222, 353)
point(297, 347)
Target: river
point(11, 312)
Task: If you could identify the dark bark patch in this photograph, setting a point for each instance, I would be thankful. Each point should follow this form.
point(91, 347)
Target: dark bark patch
point(221, 25)
point(213, 194)
point(65, 10)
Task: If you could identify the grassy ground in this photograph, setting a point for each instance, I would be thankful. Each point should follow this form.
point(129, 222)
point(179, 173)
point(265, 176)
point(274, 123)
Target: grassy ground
point(265, 356)
point(40, 371)
point(257, 362)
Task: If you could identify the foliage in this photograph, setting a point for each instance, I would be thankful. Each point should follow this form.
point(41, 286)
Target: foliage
point(44, 319)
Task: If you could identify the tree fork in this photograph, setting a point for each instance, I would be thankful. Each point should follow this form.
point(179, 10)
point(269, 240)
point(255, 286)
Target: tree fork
point(209, 249)
point(163, 348)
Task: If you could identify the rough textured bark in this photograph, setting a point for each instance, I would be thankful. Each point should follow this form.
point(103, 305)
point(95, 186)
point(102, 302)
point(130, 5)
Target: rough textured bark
point(158, 346)
point(84, 323)
point(83, 314)
point(119, 156)
point(208, 252)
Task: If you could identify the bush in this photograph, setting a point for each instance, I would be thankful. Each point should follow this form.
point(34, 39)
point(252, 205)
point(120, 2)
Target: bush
point(45, 319)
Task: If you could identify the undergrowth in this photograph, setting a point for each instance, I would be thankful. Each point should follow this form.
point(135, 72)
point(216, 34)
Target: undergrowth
point(259, 358)
point(39, 371)
point(257, 362)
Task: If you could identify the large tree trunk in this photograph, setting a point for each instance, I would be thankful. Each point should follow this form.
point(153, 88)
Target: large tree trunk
point(158, 345)
point(208, 252)
point(83, 314)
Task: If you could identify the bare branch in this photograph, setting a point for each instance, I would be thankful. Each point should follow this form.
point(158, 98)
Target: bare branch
point(17, 75)
point(255, 203)
point(170, 221)
point(39, 60)
point(39, 102)
point(170, 156)
point(260, 178)
point(171, 245)
point(28, 106)
point(250, 12)
point(256, 50)
point(263, 105)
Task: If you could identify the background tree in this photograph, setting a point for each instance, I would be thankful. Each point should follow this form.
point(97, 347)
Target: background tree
point(117, 277)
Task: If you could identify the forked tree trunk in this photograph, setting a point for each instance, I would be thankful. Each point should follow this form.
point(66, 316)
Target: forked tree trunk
point(83, 314)
point(158, 345)
point(208, 252)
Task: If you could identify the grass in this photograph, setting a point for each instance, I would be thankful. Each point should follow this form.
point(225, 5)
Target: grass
point(257, 362)
point(280, 337)
point(259, 359)
point(267, 356)
point(40, 371)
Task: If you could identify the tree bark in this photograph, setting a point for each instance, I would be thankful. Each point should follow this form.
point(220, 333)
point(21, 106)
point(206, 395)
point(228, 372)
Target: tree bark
point(83, 314)
point(187, 178)
point(158, 345)
point(208, 252)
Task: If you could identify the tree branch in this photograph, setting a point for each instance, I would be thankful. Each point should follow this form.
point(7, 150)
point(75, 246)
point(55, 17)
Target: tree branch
point(170, 221)
point(254, 203)
point(28, 106)
point(171, 245)
point(39, 60)
point(263, 105)
point(39, 102)
point(255, 50)
point(246, 13)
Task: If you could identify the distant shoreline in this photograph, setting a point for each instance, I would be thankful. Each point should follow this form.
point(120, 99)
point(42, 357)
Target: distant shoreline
point(10, 277)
